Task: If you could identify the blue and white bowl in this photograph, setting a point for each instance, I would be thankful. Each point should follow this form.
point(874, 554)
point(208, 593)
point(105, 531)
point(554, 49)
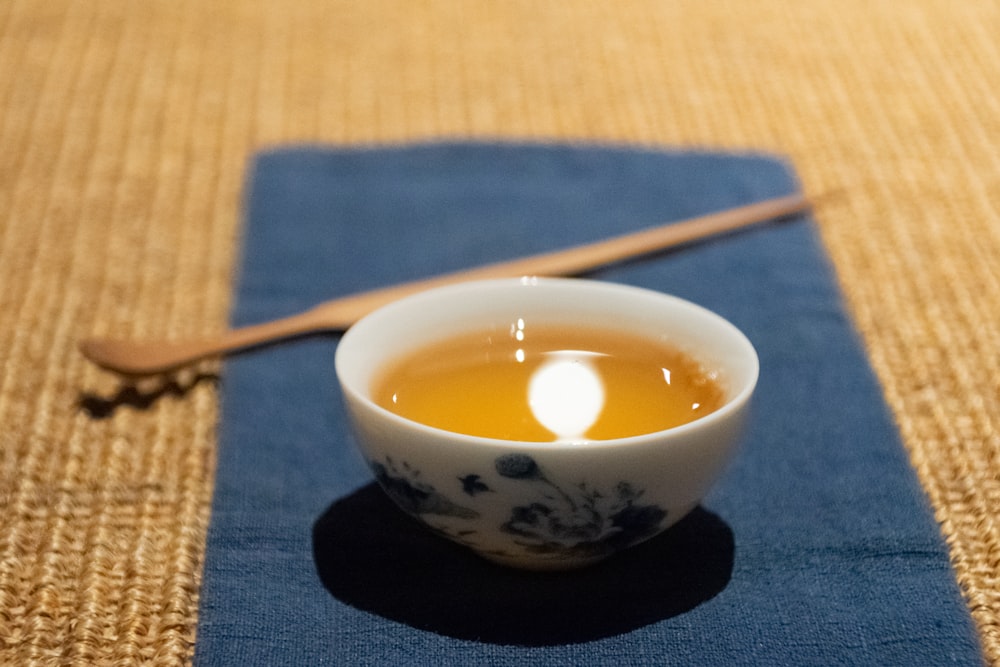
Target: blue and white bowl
point(552, 505)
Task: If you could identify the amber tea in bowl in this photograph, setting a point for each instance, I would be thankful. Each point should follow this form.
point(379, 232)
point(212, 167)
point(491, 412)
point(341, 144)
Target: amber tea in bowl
point(546, 423)
point(536, 382)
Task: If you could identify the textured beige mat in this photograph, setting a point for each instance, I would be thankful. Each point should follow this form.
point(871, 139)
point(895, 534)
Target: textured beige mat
point(124, 133)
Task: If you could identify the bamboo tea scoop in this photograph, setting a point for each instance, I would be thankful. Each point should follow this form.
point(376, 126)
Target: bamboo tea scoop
point(150, 357)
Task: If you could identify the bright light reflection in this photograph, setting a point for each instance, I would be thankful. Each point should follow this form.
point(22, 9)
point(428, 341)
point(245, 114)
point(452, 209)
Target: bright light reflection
point(517, 329)
point(566, 395)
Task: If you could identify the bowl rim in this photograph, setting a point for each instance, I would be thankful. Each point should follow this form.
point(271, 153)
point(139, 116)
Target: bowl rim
point(734, 403)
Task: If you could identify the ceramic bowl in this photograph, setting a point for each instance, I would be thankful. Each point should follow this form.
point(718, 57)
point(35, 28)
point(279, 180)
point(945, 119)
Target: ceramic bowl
point(554, 505)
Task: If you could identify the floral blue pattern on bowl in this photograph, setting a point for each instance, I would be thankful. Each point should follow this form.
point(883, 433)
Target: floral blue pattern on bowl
point(572, 522)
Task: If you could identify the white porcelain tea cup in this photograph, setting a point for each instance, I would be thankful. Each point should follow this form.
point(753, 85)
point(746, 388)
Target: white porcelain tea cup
point(545, 505)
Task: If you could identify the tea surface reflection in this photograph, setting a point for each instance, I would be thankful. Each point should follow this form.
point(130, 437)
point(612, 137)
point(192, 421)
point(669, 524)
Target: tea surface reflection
point(549, 383)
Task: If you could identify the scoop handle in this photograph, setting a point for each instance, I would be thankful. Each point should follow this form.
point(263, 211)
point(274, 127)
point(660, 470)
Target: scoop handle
point(151, 357)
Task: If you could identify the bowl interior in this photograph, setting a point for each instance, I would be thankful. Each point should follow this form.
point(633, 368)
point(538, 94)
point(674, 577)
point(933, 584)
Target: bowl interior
point(419, 320)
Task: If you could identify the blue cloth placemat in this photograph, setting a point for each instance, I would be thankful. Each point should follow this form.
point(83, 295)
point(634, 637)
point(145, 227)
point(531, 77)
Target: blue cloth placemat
point(818, 547)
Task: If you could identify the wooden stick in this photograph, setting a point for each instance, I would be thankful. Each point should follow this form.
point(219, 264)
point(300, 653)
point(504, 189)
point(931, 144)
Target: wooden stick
point(145, 358)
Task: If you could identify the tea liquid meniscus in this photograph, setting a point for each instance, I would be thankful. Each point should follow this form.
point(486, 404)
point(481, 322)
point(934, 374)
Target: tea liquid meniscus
point(548, 383)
